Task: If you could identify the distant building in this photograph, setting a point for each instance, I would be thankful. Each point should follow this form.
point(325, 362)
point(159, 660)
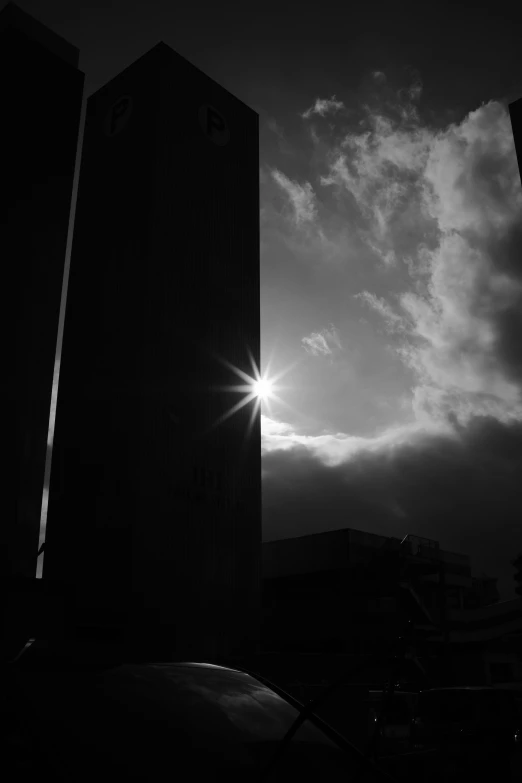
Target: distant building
point(339, 592)
point(309, 603)
point(155, 505)
point(341, 564)
point(42, 92)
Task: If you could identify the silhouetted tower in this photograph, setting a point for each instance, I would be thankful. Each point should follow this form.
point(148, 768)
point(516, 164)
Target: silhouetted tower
point(154, 512)
point(41, 92)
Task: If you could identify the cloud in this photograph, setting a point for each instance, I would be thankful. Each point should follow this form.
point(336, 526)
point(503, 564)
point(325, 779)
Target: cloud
point(318, 343)
point(462, 317)
point(379, 168)
point(275, 435)
point(322, 107)
point(460, 490)
point(379, 77)
point(472, 182)
point(301, 197)
point(376, 166)
point(394, 321)
point(414, 90)
point(464, 327)
point(334, 449)
point(447, 204)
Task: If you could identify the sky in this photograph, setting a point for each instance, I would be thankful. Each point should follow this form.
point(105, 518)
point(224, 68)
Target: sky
point(391, 237)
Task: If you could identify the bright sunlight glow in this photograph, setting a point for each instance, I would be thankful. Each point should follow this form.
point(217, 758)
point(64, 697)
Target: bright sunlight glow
point(263, 388)
point(256, 388)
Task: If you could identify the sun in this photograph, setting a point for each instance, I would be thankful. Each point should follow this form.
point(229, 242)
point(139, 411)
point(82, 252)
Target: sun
point(256, 388)
point(263, 388)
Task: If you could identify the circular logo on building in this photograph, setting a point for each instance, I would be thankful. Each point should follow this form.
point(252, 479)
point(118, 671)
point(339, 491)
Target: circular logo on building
point(214, 125)
point(118, 115)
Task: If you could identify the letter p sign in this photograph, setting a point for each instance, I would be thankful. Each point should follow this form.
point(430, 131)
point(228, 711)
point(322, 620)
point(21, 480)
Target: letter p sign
point(214, 125)
point(118, 115)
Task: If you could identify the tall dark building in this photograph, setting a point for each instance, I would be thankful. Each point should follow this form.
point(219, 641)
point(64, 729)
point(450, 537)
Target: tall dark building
point(42, 91)
point(155, 507)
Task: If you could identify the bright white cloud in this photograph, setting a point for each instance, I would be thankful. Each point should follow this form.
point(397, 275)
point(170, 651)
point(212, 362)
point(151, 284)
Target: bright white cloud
point(470, 187)
point(341, 176)
point(394, 322)
point(335, 449)
point(320, 343)
point(472, 181)
point(301, 197)
point(379, 169)
point(316, 344)
point(455, 324)
point(448, 203)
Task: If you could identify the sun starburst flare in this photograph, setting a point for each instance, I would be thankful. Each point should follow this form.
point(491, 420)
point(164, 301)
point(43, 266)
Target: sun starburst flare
point(263, 388)
point(257, 388)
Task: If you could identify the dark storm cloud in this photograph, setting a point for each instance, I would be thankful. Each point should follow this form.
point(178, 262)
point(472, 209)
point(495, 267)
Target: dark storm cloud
point(462, 491)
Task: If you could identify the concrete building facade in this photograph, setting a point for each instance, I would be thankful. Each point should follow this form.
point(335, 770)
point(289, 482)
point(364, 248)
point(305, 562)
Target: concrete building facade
point(155, 498)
